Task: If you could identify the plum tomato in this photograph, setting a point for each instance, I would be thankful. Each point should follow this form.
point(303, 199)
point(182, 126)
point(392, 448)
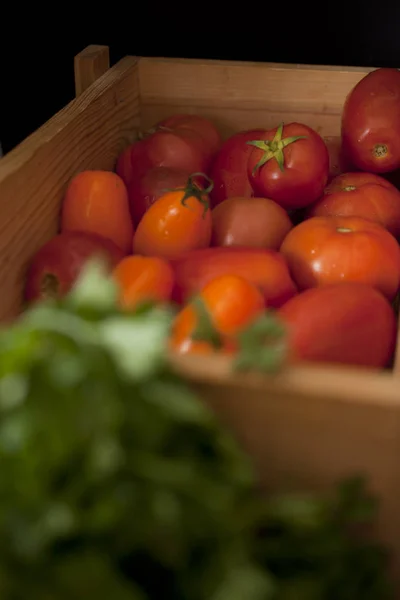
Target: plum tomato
point(200, 125)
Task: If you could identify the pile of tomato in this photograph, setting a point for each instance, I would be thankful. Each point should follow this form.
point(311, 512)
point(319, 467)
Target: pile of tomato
point(277, 221)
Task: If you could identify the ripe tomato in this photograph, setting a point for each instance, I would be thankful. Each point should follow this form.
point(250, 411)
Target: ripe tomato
point(346, 323)
point(289, 164)
point(144, 191)
point(230, 302)
point(266, 269)
point(181, 149)
point(252, 222)
point(229, 169)
point(57, 264)
point(371, 122)
point(143, 279)
point(337, 164)
point(326, 250)
point(361, 195)
point(97, 202)
point(200, 125)
point(178, 221)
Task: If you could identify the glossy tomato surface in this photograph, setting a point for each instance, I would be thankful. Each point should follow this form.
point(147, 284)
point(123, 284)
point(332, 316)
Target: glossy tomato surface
point(143, 279)
point(364, 195)
point(346, 323)
point(371, 122)
point(289, 164)
point(229, 169)
point(252, 222)
point(145, 190)
point(175, 223)
point(327, 250)
point(231, 302)
point(266, 269)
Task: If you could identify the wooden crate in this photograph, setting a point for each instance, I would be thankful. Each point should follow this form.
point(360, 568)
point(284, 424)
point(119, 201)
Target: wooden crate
point(308, 425)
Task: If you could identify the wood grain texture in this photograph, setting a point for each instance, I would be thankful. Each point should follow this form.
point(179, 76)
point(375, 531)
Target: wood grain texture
point(89, 65)
point(245, 95)
point(88, 133)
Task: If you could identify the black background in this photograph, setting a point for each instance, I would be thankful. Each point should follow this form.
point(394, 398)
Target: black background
point(37, 47)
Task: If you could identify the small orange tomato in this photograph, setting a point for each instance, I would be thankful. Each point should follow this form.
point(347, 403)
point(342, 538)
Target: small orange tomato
point(230, 303)
point(142, 279)
point(97, 202)
point(178, 221)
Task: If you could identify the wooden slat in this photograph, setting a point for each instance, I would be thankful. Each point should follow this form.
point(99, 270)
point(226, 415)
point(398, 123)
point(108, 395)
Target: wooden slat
point(88, 133)
point(89, 65)
point(248, 86)
point(311, 426)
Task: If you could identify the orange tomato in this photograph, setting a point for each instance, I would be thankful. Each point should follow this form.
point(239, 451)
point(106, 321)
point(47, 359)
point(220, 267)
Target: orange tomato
point(327, 250)
point(178, 221)
point(230, 303)
point(143, 278)
point(97, 202)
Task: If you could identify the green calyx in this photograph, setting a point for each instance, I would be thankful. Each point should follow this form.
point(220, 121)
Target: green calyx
point(205, 330)
point(274, 149)
point(192, 190)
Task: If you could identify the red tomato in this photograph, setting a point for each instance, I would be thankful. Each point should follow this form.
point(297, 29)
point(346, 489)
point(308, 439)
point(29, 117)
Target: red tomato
point(337, 164)
point(143, 279)
point(230, 302)
point(178, 221)
point(229, 169)
point(200, 125)
point(361, 195)
point(57, 264)
point(347, 323)
point(124, 164)
point(371, 122)
point(289, 164)
point(145, 190)
point(326, 250)
point(265, 268)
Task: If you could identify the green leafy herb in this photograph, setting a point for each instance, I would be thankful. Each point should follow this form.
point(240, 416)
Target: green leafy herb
point(117, 482)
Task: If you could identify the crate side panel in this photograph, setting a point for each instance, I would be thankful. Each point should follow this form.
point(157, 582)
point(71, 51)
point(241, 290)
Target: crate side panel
point(87, 134)
point(243, 95)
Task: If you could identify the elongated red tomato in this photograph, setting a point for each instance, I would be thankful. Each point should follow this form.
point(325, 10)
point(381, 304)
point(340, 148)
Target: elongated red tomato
point(229, 169)
point(347, 323)
point(267, 269)
point(371, 122)
point(289, 164)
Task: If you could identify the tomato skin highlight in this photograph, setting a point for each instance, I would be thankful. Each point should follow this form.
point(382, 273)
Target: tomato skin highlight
point(231, 303)
point(371, 122)
point(229, 168)
point(363, 195)
point(326, 250)
point(346, 323)
point(294, 176)
point(267, 269)
point(180, 220)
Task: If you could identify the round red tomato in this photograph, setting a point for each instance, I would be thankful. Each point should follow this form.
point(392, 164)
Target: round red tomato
point(326, 250)
point(289, 164)
point(337, 164)
point(346, 323)
point(229, 169)
point(371, 122)
point(178, 221)
point(144, 191)
point(200, 125)
point(361, 195)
